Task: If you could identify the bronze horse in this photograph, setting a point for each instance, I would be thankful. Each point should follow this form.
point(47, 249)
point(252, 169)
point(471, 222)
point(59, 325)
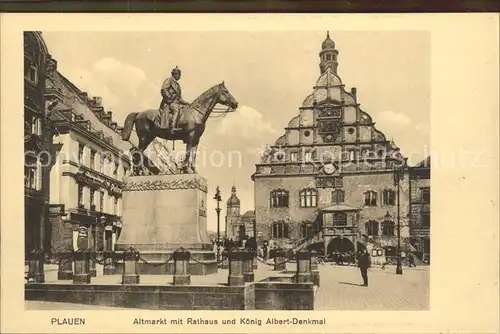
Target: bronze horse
point(190, 127)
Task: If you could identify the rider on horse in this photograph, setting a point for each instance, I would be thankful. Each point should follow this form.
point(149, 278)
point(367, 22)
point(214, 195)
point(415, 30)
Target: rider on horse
point(171, 100)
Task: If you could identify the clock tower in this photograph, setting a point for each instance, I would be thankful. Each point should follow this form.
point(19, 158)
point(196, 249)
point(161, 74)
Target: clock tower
point(233, 217)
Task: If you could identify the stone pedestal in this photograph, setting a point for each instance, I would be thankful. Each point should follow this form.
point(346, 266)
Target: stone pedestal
point(109, 263)
point(279, 260)
point(35, 266)
point(181, 267)
point(248, 275)
point(303, 274)
point(92, 264)
point(236, 259)
point(82, 267)
point(130, 269)
point(65, 267)
point(314, 268)
point(162, 213)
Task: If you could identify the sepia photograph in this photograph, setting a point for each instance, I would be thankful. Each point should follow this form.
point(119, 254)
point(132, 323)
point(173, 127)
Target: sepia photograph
point(249, 173)
point(227, 170)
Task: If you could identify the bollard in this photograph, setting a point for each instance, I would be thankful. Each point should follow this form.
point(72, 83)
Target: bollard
point(303, 274)
point(36, 261)
point(181, 267)
point(82, 267)
point(109, 262)
point(254, 261)
point(130, 267)
point(314, 268)
point(65, 267)
point(314, 260)
point(92, 265)
point(248, 275)
point(235, 258)
point(279, 260)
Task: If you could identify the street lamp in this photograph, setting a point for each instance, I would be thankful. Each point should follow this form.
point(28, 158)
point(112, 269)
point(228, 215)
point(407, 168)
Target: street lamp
point(217, 197)
point(398, 176)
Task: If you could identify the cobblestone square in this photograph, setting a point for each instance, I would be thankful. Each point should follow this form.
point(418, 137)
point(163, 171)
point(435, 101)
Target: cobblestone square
point(340, 289)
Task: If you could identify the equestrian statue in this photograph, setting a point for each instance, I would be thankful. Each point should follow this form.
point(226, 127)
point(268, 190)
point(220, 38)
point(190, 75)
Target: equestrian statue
point(177, 119)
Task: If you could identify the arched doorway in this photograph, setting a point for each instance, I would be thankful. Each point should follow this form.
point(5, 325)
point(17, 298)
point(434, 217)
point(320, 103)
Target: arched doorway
point(342, 245)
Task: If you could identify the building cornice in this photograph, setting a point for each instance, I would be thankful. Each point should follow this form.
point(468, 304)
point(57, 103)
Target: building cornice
point(64, 126)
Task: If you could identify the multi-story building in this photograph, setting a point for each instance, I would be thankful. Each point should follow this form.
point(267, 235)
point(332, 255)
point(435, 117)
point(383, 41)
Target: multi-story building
point(328, 181)
point(238, 226)
point(36, 142)
point(75, 160)
point(420, 222)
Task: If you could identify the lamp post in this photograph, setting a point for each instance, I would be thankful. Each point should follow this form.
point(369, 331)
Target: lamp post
point(217, 197)
point(398, 176)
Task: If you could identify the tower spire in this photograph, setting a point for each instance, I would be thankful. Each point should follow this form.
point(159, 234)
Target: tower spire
point(328, 55)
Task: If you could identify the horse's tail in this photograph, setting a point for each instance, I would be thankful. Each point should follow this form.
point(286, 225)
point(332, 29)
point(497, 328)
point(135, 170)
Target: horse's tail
point(128, 126)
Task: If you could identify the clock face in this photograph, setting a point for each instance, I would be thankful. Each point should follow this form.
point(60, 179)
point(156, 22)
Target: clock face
point(329, 169)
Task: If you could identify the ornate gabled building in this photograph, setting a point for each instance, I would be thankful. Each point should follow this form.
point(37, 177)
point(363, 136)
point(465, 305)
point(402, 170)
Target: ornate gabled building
point(328, 181)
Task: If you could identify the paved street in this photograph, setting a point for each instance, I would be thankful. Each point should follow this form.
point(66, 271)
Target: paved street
point(340, 289)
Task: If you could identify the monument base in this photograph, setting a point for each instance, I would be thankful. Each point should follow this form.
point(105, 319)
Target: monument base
point(202, 263)
point(162, 213)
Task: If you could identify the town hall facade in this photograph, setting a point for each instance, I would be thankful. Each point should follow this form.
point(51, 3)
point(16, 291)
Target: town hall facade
point(329, 180)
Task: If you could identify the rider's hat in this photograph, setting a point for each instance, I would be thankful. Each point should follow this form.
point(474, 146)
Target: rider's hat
point(176, 70)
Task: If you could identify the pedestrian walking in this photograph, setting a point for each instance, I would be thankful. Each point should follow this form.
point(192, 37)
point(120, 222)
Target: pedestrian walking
point(411, 261)
point(363, 264)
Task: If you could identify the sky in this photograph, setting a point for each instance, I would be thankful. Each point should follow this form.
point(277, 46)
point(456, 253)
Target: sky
point(268, 73)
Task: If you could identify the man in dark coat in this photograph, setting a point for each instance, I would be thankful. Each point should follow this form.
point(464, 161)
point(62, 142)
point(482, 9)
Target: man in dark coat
point(363, 264)
point(171, 100)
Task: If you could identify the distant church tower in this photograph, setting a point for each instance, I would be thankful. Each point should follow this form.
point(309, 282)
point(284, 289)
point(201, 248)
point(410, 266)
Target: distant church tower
point(233, 217)
point(328, 55)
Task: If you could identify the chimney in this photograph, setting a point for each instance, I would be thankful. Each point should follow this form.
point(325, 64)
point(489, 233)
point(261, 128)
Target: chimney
point(110, 114)
point(354, 93)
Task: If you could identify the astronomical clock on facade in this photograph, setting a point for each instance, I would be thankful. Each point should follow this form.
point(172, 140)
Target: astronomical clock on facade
point(328, 180)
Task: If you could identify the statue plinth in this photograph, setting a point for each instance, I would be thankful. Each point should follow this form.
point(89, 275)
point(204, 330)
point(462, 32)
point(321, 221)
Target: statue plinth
point(162, 213)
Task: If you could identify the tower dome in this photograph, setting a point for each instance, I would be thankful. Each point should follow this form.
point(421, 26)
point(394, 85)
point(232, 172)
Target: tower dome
point(328, 55)
point(328, 43)
point(233, 200)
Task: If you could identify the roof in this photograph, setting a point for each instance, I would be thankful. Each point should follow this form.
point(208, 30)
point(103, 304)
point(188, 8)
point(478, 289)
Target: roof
point(339, 208)
point(328, 79)
point(426, 163)
point(249, 214)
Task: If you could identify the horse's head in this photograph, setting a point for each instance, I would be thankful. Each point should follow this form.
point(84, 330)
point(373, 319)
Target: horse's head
point(225, 98)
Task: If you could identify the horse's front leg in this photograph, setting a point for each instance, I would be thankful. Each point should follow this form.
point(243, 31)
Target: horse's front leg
point(188, 164)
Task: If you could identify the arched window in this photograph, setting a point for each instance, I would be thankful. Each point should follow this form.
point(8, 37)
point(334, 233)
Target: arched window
point(388, 197)
point(278, 198)
point(370, 198)
point(371, 227)
point(308, 198)
point(280, 230)
point(339, 219)
point(338, 196)
point(388, 228)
